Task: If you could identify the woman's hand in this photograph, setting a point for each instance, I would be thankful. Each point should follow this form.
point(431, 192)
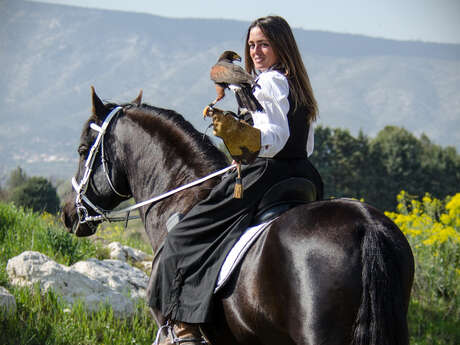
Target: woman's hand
point(241, 139)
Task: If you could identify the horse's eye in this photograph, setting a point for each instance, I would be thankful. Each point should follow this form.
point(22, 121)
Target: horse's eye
point(82, 150)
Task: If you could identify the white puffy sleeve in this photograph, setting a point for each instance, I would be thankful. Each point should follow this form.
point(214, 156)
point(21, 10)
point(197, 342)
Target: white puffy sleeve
point(272, 92)
point(311, 139)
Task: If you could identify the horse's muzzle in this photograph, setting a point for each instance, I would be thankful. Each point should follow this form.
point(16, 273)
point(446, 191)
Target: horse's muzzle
point(71, 221)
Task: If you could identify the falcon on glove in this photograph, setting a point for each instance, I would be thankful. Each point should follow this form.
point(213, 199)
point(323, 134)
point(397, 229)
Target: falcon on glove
point(227, 75)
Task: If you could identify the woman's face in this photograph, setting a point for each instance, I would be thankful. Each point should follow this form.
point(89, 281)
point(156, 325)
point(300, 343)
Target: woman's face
point(262, 54)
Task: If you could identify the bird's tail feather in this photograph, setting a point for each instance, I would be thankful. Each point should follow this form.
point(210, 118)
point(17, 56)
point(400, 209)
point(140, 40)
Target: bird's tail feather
point(247, 100)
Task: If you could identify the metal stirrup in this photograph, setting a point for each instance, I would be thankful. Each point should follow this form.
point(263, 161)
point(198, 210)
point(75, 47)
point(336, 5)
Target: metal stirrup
point(157, 338)
point(175, 340)
point(178, 341)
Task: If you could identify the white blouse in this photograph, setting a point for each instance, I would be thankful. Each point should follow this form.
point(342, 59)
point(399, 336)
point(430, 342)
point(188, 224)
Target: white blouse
point(272, 92)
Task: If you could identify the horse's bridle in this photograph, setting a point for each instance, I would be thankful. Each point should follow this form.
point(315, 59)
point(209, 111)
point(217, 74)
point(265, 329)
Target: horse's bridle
point(80, 188)
point(101, 214)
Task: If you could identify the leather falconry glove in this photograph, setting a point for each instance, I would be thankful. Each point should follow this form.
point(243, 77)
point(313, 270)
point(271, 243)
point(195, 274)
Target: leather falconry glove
point(241, 139)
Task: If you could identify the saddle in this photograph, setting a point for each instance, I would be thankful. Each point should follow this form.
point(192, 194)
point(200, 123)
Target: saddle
point(283, 196)
point(279, 198)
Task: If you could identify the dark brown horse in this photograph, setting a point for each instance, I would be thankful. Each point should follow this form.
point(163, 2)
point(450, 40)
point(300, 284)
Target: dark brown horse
point(327, 272)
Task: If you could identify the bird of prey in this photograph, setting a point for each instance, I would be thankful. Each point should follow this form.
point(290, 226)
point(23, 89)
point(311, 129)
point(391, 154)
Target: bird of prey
point(225, 74)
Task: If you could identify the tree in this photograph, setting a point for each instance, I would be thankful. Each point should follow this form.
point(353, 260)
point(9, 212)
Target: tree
point(17, 178)
point(3, 194)
point(441, 167)
point(38, 194)
point(341, 160)
point(400, 155)
point(378, 169)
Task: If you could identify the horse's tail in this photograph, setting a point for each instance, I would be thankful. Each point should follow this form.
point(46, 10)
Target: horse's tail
point(387, 271)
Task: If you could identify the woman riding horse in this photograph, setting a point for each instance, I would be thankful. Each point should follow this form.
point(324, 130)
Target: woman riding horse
point(332, 272)
point(185, 283)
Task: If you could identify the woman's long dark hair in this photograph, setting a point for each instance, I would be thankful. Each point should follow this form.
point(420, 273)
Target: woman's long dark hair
point(280, 36)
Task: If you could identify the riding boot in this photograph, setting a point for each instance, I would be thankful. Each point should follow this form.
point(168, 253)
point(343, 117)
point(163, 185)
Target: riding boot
point(181, 333)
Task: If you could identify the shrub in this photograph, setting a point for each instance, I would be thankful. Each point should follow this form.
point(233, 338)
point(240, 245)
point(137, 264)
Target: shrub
point(38, 194)
point(433, 230)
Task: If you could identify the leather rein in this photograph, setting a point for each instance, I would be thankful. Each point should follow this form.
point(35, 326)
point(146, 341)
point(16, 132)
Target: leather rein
point(82, 200)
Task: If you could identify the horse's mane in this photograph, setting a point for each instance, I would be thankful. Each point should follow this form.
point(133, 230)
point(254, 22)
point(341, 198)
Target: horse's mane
point(172, 125)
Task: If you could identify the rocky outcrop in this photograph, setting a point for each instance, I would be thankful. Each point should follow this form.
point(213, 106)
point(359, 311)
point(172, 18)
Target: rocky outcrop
point(7, 301)
point(128, 254)
point(94, 282)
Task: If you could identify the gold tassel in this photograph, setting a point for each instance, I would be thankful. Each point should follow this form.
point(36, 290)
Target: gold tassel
point(238, 192)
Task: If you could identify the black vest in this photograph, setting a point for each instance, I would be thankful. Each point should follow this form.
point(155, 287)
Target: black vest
point(296, 146)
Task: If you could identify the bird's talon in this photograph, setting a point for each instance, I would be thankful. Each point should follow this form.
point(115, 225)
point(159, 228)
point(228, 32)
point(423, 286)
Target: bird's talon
point(207, 111)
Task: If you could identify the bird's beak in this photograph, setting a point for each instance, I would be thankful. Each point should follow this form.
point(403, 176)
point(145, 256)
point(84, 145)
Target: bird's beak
point(236, 57)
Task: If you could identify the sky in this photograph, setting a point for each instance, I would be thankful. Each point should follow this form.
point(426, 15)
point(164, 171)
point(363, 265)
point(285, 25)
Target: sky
point(421, 20)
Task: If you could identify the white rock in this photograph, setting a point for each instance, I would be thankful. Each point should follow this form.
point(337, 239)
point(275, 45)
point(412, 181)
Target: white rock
point(93, 281)
point(123, 253)
point(118, 275)
point(146, 265)
point(7, 301)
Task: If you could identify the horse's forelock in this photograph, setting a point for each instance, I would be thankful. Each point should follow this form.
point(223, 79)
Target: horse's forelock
point(88, 135)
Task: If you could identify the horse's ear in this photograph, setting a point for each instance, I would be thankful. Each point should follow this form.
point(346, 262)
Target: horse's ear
point(138, 100)
point(98, 110)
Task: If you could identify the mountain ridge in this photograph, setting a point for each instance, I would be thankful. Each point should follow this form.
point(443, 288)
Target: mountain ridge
point(51, 54)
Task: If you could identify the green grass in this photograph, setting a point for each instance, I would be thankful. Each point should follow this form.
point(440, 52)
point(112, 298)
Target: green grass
point(133, 236)
point(434, 313)
point(21, 230)
point(44, 319)
point(431, 324)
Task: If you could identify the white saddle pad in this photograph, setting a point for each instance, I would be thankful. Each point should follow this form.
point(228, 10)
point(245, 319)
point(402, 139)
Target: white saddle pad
point(240, 248)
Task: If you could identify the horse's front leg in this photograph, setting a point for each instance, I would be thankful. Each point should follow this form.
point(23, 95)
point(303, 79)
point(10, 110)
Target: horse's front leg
point(157, 315)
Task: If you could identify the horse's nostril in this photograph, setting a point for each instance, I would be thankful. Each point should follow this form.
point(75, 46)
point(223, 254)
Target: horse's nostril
point(65, 218)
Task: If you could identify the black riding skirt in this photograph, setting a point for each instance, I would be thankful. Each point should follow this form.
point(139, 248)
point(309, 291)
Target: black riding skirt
point(195, 248)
